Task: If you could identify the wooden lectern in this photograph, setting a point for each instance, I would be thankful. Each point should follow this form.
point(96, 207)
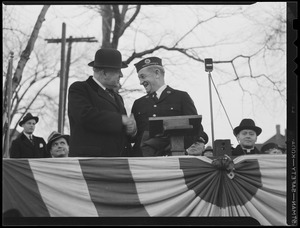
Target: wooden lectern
point(177, 127)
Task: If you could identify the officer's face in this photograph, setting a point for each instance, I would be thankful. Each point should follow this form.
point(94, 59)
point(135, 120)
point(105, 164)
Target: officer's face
point(29, 126)
point(247, 138)
point(149, 79)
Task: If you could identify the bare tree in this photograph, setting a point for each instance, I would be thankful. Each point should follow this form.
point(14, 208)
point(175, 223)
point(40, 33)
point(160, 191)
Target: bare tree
point(17, 97)
point(121, 16)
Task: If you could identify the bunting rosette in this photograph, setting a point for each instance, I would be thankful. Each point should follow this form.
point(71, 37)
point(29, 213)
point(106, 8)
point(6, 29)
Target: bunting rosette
point(175, 186)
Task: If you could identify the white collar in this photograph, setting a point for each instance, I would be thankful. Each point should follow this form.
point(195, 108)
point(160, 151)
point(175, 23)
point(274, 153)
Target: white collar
point(27, 135)
point(99, 83)
point(160, 90)
point(247, 150)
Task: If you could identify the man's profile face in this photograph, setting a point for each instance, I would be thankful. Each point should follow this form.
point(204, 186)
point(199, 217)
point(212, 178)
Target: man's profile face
point(29, 126)
point(112, 79)
point(59, 148)
point(247, 138)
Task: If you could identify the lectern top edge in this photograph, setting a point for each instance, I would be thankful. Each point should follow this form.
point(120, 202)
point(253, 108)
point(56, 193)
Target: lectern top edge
point(176, 117)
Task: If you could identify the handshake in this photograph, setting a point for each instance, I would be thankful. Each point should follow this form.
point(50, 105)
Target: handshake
point(130, 124)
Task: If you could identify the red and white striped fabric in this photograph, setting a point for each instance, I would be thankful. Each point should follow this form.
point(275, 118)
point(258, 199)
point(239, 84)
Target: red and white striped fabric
point(182, 186)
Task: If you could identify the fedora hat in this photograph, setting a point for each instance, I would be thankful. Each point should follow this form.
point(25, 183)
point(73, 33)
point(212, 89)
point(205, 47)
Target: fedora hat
point(56, 135)
point(108, 57)
point(247, 124)
point(27, 117)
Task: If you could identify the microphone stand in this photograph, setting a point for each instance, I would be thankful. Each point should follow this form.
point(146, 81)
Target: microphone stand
point(211, 109)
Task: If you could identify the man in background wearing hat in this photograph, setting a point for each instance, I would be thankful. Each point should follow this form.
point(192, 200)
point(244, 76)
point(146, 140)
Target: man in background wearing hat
point(271, 148)
point(99, 124)
point(246, 134)
point(58, 145)
point(27, 145)
point(208, 152)
point(161, 100)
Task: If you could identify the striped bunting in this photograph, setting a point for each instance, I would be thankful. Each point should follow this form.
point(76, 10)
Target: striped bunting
point(173, 186)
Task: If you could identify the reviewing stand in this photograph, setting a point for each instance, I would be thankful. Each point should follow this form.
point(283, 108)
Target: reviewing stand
point(176, 127)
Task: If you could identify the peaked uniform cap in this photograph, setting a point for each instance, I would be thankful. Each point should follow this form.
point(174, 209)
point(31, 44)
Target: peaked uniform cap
point(108, 57)
point(27, 117)
point(148, 62)
point(56, 135)
point(247, 124)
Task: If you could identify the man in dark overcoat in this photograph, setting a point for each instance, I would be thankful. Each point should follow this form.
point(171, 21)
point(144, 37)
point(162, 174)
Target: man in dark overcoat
point(99, 124)
point(27, 145)
point(161, 100)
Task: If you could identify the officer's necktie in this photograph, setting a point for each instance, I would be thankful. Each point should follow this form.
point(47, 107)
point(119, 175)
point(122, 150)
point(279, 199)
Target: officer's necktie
point(154, 97)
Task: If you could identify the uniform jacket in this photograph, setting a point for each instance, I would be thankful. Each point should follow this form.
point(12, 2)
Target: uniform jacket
point(239, 151)
point(21, 147)
point(95, 122)
point(171, 103)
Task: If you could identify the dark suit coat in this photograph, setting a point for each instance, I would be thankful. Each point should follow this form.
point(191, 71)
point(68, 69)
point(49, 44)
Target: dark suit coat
point(21, 147)
point(239, 151)
point(171, 103)
point(96, 122)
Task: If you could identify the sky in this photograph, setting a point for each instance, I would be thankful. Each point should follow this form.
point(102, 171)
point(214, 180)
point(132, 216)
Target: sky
point(266, 109)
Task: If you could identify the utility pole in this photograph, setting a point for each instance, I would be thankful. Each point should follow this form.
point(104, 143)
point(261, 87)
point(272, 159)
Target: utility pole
point(64, 76)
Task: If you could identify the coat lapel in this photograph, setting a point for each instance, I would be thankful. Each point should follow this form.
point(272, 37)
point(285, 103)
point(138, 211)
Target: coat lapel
point(168, 91)
point(149, 99)
point(101, 92)
point(26, 140)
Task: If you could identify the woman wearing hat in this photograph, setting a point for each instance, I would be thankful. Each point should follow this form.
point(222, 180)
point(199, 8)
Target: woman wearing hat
point(27, 145)
point(246, 134)
point(99, 124)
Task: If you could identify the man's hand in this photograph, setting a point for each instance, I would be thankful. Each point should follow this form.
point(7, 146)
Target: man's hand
point(130, 124)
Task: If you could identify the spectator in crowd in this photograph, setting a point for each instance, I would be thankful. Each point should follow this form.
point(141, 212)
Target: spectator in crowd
point(160, 100)
point(99, 123)
point(271, 148)
point(27, 145)
point(208, 152)
point(246, 134)
point(58, 145)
